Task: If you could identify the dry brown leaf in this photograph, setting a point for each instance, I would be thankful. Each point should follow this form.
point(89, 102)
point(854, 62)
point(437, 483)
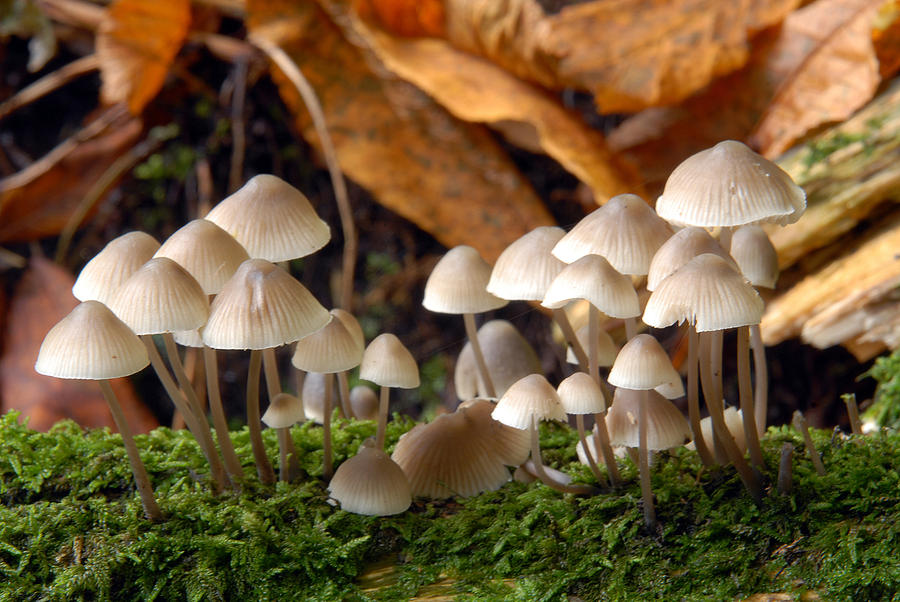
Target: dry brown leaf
point(449, 177)
point(657, 139)
point(136, 43)
point(41, 298)
point(39, 201)
point(837, 76)
point(476, 90)
point(886, 38)
point(406, 17)
point(634, 54)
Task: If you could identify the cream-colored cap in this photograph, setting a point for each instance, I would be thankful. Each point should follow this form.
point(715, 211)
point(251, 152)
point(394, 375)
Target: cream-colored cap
point(729, 185)
point(458, 284)
point(625, 231)
point(526, 267)
point(527, 399)
point(580, 394)
point(283, 411)
point(593, 278)
point(388, 363)
point(91, 343)
point(350, 323)
point(160, 297)
point(313, 396)
point(371, 483)
point(330, 349)
point(643, 364)
point(755, 255)
point(512, 445)
point(706, 292)
point(119, 259)
point(208, 252)
point(666, 425)
point(507, 354)
point(271, 219)
point(364, 402)
point(681, 247)
point(262, 306)
point(607, 350)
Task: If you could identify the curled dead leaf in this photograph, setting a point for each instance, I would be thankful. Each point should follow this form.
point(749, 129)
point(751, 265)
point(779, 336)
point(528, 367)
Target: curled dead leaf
point(136, 43)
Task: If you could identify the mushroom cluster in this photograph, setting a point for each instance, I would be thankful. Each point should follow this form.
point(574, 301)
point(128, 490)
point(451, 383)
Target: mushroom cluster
point(216, 284)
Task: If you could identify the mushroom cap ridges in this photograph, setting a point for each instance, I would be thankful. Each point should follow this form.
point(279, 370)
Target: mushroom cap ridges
point(370, 483)
point(458, 284)
point(527, 399)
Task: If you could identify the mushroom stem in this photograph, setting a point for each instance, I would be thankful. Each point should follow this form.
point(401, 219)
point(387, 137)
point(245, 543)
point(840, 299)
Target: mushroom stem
point(693, 395)
point(263, 466)
point(748, 413)
point(327, 469)
point(579, 425)
point(786, 469)
point(562, 320)
point(232, 462)
point(190, 417)
point(644, 464)
point(717, 413)
point(270, 365)
point(382, 417)
point(344, 388)
point(761, 377)
point(472, 333)
point(609, 458)
point(593, 327)
point(141, 478)
point(853, 413)
point(631, 328)
point(542, 474)
point(801, 425)
point(218, 470)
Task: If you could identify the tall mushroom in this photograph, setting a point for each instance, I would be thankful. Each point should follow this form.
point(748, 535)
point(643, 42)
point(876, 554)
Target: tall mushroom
point(387, 363)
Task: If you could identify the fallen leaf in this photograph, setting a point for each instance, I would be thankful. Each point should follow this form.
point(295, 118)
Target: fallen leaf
point(837, 76)
point(39, 201)
point(886, 38)
point(136, 43)
point(476, 90)
point(41, 298)
point(634, 54)
point(658, 139)
point(406, 17)
point(450, 178)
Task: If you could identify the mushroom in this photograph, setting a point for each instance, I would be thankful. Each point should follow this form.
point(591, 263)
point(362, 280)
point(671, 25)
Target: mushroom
point(387, 363)
point(364, 403)
point(284, 411)
point(580, 394)
point(119, 259)
point(507, 354)
point(92, 343)
point(371, 483)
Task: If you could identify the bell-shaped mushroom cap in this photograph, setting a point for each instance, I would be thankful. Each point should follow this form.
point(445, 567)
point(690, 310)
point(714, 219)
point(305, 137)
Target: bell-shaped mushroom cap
point(643, 364)
point(592, 278)
point(511, 445)
point(119, 259)
point(451, 456)
point(734, 422)
point(313, 396)
point(284, 411)
point(91, 343)
point(625, 231)
point(706, 292)
point(351, 324)
point(666, 425)
point(271, 219)
point(507, 354)
point(681, 247)
point(330, 349)
point(208, 252)
point(607, 350)
point(386, 362)
point(458, 284)
point(371, 483)
point(364, 402)
point(755, 255)
point(262, 306)
point(526, 267)
point(580, 394)
point(159, 297)
point(529, 398)
point(730, 185)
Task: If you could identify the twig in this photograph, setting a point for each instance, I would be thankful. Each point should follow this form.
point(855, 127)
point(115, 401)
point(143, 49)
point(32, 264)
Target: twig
point(238, 136)
point(801, 425)
point(853, 413)
point(293, 73)
point(49, 83)
point(786, 469)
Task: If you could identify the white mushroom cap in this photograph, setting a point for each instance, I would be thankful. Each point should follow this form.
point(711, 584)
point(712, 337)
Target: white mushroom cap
point(526, 267)
point(593, 278)
point(458, 284)
point(283, 411)
point(271, 219)
point(371, 483)
point(206, 251)
point(729, 185)
point(91, 343)
point(330, 349)
point(507, 354)
point(580, 394)
point(755, 256)
point(364, 402)
point(112, 266)
point(388, 363)
point(666, 425)
point(683, 246)
point(527, 399)
point(643, 364)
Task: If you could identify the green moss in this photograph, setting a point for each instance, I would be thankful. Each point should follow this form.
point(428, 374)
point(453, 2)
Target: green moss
point(885, 411)
point(71, 528)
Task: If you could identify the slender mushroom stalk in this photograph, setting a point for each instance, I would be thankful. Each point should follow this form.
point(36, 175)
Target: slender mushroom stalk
point(327, 464)
point(746, 396)
point(565, 326)
point(232, 462)
point(263, 467)
point(761, 378)
point(483, 373)
point(284, 411)
point(644, 464)
point(542, 473)
point(387, 363)
point(853, 413)
point(580, 394)
point(381, 425)
point(693, 395)
point(786, 469)
point(801, 425)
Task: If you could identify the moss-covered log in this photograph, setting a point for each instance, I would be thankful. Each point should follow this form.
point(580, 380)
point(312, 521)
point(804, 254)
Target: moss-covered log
point(71, 527)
